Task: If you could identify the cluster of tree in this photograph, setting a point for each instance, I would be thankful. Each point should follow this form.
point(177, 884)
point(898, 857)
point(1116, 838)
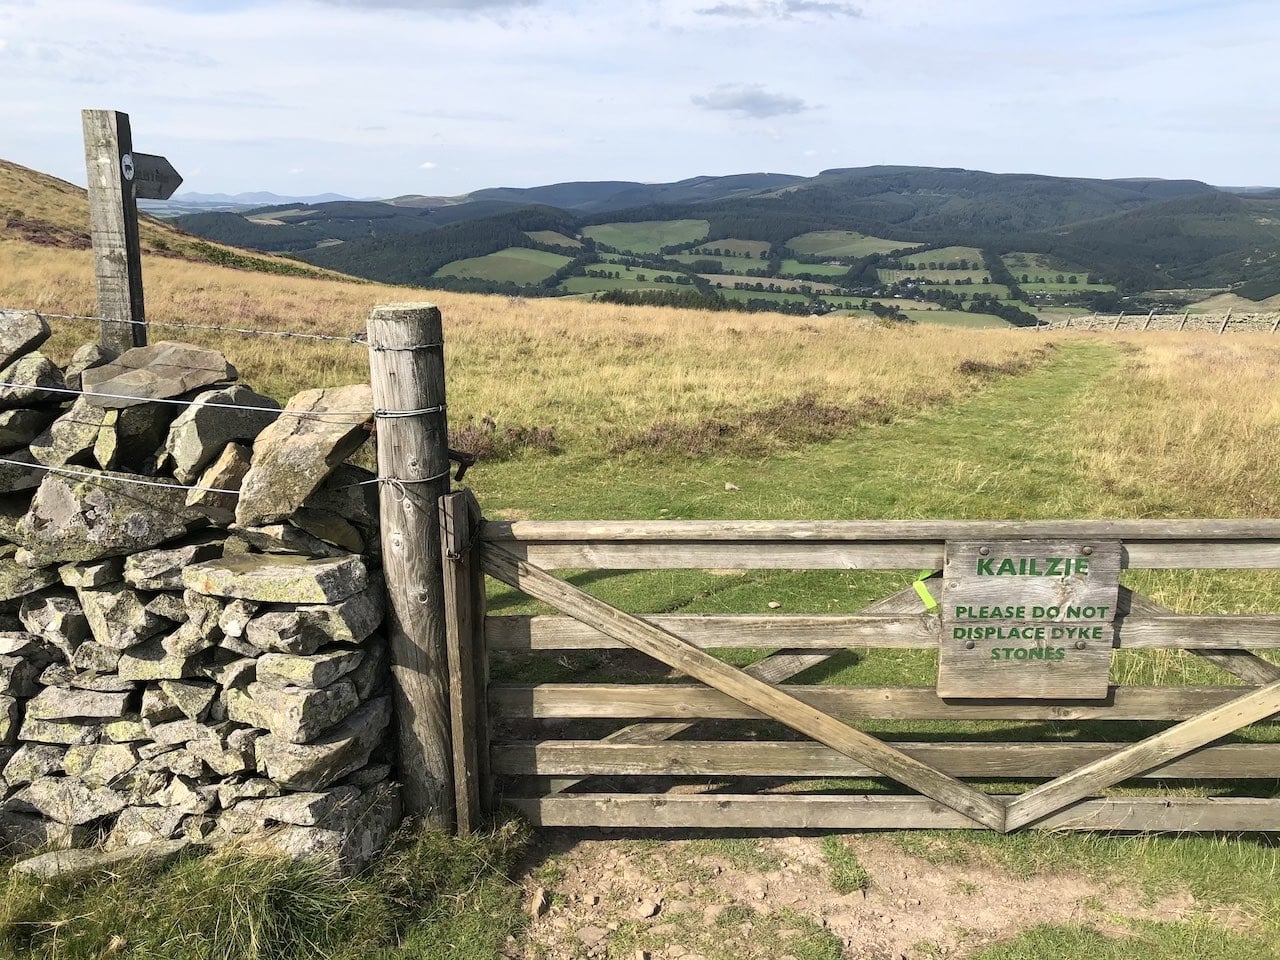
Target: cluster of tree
point(698, 300)
point(1000, 273)
point(573, 268)
point(943, 296)
point(761, 287)
point(886, 311)
point(960, 264)
point(237, 230)
point(1059, 278)
point(1206, 241)
point(1004, 309)
point(705, 250)
point(415, 258)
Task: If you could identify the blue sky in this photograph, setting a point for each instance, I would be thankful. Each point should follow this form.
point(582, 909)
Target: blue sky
point(385, 97)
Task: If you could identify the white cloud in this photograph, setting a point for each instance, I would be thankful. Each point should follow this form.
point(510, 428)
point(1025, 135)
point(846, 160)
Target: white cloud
point(449, 6)
point(782, 10)
point(427, 165)
point(750, 100)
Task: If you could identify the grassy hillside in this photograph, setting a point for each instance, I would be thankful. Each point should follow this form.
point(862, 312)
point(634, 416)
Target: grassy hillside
point(1218, 240)
point(36, 208)
point(647, 236)
point(841, 243)
point(512, 265)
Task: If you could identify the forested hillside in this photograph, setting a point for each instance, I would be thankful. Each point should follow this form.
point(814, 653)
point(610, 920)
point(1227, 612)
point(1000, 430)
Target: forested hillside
point(1104, 240)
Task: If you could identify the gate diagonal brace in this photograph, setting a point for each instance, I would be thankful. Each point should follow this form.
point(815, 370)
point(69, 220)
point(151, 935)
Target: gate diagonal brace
point(1051, 797)
point(773, 703)
point(775, 668)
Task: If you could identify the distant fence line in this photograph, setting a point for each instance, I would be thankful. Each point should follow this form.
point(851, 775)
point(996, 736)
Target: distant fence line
point(1215, 322)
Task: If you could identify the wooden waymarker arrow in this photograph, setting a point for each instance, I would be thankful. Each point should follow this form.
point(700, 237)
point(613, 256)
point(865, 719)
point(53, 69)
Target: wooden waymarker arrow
point(154, 177)
point(776, 704)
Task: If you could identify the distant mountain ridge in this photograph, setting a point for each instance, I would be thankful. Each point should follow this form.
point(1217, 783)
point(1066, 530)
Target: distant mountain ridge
point(1138, 232)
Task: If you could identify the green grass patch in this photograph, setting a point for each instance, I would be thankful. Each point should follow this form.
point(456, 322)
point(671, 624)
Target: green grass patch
point(941, 256)
point(842, 243)
point(625, 282)
point(792, 267)
point(958, 318)
point(1201, 939)
point(745, 295)
point(737, 267)
point(647, 236)
point(1054, 287)
point(847, 874)
point(514, 264)
point(728, 280)
point(431, 897)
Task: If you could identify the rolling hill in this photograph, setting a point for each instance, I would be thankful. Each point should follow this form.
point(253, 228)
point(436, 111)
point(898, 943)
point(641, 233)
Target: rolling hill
point(1131, 234)
point(40, 209)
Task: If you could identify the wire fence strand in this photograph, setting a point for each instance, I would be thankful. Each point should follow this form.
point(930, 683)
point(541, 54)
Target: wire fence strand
point(102, 477)
point(357, 339)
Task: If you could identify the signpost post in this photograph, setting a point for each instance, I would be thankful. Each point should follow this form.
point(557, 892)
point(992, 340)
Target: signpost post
point(118, 177)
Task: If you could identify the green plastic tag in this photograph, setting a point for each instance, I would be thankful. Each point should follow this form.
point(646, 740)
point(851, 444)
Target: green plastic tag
point(930, 604)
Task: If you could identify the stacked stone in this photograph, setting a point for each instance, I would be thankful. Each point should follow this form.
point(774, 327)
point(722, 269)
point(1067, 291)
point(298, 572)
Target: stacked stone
point(186, 663)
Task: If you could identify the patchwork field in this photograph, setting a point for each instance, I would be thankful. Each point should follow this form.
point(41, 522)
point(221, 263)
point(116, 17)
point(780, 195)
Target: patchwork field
point(790, 267)
point(939, 258)
point(841, 243)
point(1040, 273)
point(734, 265)
point(959, 318)
point(598, 284)
point(647, 236)
point(514, 264)
point(978, 276)
point(744, 295)
point(728, 280)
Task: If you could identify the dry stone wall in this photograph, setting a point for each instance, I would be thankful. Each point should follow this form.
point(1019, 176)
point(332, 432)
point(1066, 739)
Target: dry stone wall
point(196, 656)
point(1212, 322)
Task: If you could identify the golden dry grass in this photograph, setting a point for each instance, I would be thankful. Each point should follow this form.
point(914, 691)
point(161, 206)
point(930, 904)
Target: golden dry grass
point(582, 369)
point(1190, 424)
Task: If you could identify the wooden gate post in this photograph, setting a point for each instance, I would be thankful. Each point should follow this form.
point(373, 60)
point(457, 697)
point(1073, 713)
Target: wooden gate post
point(406, 369)
point(468, 657)
point(113, 225)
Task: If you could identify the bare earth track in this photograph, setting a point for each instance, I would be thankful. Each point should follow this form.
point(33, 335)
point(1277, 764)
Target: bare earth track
point(750, 898)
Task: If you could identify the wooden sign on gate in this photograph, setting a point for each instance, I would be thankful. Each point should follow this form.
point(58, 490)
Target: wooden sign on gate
point(1028, 619)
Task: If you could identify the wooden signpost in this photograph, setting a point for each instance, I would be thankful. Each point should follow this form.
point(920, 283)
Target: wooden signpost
point(118, 177)
point(1028, 619)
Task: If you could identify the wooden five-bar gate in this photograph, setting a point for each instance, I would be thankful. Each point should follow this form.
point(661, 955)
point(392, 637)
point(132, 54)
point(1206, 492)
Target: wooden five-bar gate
point(675, 755)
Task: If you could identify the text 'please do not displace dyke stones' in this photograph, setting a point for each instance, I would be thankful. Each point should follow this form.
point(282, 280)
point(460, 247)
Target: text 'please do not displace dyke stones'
point(1028, 619)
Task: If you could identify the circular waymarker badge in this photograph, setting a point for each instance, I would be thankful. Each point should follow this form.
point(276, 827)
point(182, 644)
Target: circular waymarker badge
point(126, 166)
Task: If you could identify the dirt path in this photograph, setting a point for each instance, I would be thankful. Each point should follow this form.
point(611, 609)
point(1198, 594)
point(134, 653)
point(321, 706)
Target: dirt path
point(774, 898)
